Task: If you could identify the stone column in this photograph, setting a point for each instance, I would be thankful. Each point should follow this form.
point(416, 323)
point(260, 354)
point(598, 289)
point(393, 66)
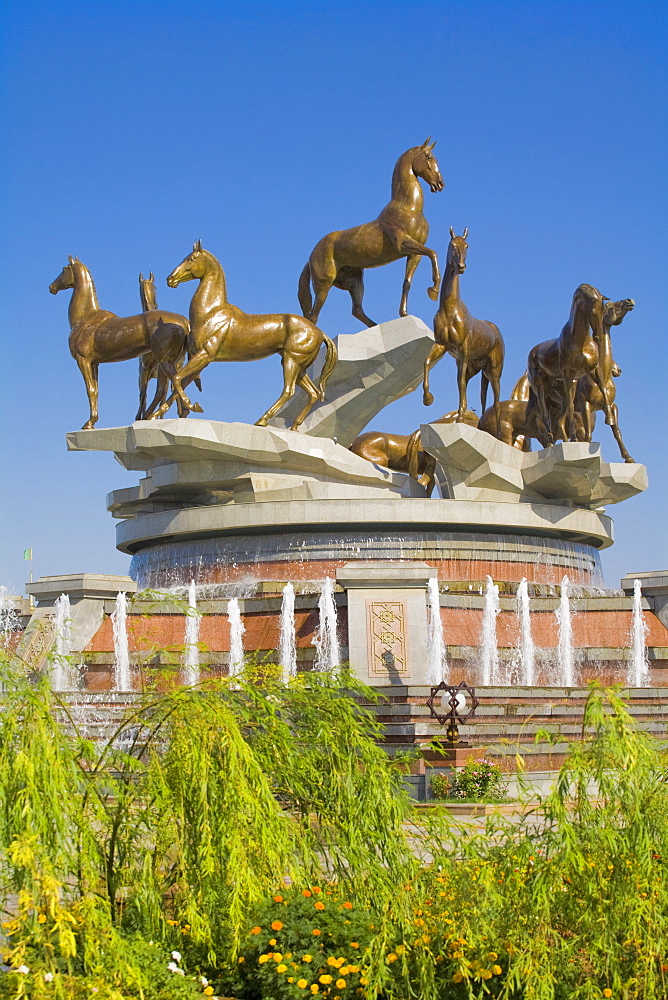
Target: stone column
point(387, 621)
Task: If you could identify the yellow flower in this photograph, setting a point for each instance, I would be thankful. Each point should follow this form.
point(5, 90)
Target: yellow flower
point(341, 984)
point(314, 988)
point(277, 925)
point(457, 978)
point(41, 918)
point(392, 957)
point(173, 923)
point(263, 958)
point(241, 959)
point(272, 941)
point(607, 992)
point(325, 980)
point(291, 979)
point(307, 958)
point(281, 968)
point(302, 984)
point(277, 956)
point(486, 973)
point(208, 991)
point(497, 970)
point(492, 955)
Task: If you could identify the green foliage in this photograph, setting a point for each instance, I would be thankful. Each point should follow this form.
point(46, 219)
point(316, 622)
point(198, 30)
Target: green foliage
point(259, 831)
point(440, 786)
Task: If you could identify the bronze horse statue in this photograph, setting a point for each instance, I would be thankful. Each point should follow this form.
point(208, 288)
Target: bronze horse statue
point(399, 452)
point(98, 336)
point(475, 344)
point(399, 231)
point(404, 452)
point(149, 366)
point(588, 396)
point(555, 366)
point(220, 331)
point(512, 427)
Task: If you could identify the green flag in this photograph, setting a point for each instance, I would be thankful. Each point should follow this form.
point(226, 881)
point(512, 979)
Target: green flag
point(27, 553)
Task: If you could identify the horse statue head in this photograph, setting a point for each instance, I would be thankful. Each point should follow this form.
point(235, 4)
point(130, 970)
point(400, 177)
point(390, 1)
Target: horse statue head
point(425, 165)
point(592, 304)
point(191, 267)
point(66, 277)
point(457, 251)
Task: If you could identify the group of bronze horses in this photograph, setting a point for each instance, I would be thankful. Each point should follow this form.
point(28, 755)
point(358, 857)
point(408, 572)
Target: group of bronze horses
point(568, 379)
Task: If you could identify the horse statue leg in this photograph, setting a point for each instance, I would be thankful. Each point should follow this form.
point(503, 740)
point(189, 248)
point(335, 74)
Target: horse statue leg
point(614, 426)
point(352, 280)
point(147, 371)
point(291, 372)
point(411, 265)
point(463, 377)
point(435, 354)
point(90, 377)
point(407, 246)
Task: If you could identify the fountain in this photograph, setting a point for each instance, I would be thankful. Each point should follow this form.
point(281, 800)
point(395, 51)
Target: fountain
point(489, 653)
point(437, 667)
point(565, 647)
point(122, 679)
point(237, 629)
point(191, 653)
point(287, 648)
point(326, 642)
point(8, 616)
point(526, 646)
point(638, 675)
point(60, 672)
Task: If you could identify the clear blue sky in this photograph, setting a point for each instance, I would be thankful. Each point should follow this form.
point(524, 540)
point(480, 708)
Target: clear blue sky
point(134, 128)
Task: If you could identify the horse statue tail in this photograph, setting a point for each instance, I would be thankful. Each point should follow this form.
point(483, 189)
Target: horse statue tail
point(331, 358)
point(413, 454)
point(521, 389)
point(304, 290)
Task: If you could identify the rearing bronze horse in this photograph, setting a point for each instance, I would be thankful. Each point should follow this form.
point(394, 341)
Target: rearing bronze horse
point(399, 231)
point(220, 331)
point(554, 366)
point(98, 336)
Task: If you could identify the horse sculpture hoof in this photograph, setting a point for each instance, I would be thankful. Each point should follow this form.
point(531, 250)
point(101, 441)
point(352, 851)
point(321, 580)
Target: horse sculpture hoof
point(196, 408)
point(427, 399)
point(88, 426)
point(433, 293)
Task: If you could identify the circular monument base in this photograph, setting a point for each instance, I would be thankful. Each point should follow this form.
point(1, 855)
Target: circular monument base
point(290, 541)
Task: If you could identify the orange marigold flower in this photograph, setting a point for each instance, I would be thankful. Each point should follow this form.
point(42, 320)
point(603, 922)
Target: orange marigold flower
point(347, 906)
point(277, 925)
point(392, 957)
point(316, 932)
point(278, 899)
point(254, 930)
point(241, 959)
point(316, 889)
point(354, 944)
point(318, 906)
point(306, 892)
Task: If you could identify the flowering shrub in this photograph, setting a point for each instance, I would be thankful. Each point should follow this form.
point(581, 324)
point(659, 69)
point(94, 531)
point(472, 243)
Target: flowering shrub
point(478, 779)
point(306, 941)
